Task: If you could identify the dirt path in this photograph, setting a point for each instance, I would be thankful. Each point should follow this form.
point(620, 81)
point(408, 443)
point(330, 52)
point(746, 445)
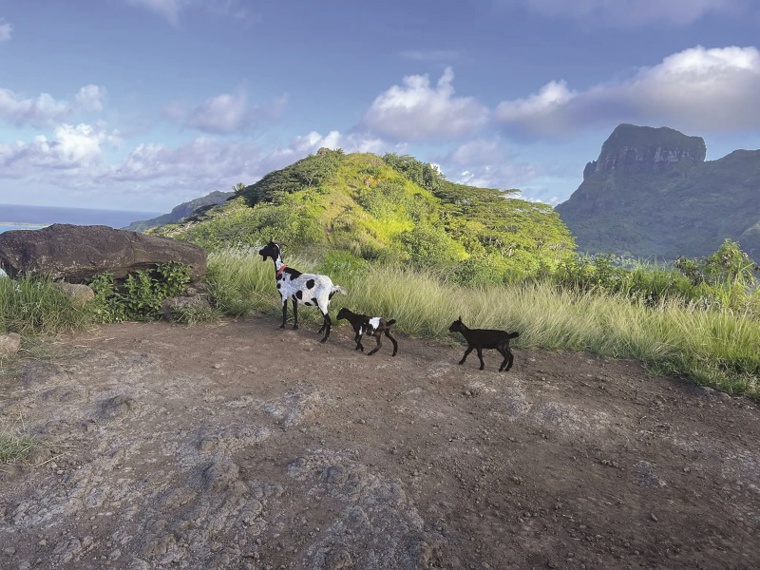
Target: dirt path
point(241, 445)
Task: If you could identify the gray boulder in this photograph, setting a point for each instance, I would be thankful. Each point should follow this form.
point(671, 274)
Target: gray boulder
point(75, 253)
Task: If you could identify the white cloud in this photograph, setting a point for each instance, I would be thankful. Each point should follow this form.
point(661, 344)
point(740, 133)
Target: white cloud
point(631, 13)
point(709, 90)
point(45, 110)
point(225, 113)
point(90, 98)
point(6, 30)
point(41, 111)
point(418, 111)
point(73, 147)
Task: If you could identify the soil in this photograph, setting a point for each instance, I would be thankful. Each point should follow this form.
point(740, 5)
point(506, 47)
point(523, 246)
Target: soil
point(242, 445)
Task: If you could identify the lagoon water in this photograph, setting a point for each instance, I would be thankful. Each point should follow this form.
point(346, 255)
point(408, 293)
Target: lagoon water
point(14, 217)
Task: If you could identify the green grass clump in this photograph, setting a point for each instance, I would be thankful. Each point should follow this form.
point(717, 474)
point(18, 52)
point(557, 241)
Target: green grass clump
point(15, 447)
point(31, 306)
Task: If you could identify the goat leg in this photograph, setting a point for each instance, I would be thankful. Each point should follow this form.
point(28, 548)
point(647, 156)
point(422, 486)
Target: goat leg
point(379, 344)
point(326, 327)
point(466, 354)
point(358, 340)
point(284, 312)
point(393, 340)
point(480, 356)
point(295, 313)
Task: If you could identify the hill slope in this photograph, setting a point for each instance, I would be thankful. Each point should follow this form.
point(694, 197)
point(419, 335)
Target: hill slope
point(651, 194)
point(391, 208)
point(182, 211)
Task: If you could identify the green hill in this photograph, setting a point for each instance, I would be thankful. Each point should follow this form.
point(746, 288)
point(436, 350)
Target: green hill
point(652, 195)
point(391, 208)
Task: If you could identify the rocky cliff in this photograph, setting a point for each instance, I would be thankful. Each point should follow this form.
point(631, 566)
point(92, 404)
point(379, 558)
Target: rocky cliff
point(645, 149)
point(651, 194)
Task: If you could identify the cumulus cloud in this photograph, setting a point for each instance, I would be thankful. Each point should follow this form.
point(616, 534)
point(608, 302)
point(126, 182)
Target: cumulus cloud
point(44, 110)
point(418, 111)
point(72, 147)
point(630, 13)
point(90, 98)
point(225, 113)
point(709, 90)
point(6, 30)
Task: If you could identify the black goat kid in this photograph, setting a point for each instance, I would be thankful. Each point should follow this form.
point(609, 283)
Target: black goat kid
point(479, 339)
point(308, 289)
point(373, 326)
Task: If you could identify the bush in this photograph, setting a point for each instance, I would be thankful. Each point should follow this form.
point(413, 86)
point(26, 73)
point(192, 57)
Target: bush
point(140, 296)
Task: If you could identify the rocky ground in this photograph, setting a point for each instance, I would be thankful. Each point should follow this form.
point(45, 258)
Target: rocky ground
point(241, 445)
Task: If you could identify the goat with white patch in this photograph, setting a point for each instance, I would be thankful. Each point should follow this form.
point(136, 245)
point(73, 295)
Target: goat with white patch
point(479, 339)
point(308, 289)
point(373, 326)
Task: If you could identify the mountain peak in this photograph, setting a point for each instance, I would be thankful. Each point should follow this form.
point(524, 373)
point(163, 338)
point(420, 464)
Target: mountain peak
point(631, 148)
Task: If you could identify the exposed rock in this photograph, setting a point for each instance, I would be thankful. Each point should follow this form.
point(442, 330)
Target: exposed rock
point(76, 253)
point(80, 294)
point(645, 149)
point(174, 308)
point(9, 344)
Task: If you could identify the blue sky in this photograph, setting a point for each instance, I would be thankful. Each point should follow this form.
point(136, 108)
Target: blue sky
point(144, 104)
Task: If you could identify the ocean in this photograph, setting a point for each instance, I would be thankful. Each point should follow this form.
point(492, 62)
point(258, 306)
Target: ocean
point(13, 217)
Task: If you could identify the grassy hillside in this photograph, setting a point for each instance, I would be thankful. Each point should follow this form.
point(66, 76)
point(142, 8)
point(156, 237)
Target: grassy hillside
point(393, 209)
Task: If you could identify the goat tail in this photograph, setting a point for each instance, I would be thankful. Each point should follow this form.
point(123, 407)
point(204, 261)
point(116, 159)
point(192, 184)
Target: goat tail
point(391, 322)
point(513, 335)
point(338, 289)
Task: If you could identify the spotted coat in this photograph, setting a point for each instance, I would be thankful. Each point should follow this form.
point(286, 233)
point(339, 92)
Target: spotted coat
point(310, 289)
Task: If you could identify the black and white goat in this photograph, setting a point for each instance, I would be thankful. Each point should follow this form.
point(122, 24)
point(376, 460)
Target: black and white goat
point(309, 289)
point(479, 339)
point(373, 326)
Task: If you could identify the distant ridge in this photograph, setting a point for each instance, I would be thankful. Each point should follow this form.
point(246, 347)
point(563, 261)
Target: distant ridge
point(652, 195)
point(182, 211)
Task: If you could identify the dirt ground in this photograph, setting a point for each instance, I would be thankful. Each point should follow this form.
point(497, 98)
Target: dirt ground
point(242, 445)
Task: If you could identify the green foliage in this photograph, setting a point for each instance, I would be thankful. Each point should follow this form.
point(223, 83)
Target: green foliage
point(140, 296)
point(430, 246)
point(423, 174)
point(391, 209)
point(31, 306)
point(311, 172)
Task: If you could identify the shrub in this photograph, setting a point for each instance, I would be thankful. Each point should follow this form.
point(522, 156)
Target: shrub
point(140, 296)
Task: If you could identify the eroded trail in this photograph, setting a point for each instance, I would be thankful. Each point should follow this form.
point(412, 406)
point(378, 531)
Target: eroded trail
point(241, 445)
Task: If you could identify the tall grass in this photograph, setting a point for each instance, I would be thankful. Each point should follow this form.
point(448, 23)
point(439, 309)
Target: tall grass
point(31, 307)
point(715, 348)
